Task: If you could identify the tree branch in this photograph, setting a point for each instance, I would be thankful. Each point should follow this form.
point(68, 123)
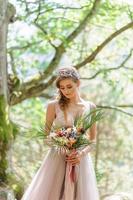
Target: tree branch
point(57, 7)
point(129, 68)
point(125, 105)
point(116, 109)
point(82, 25)
point(45, 33)
point(13, 48)
point(46, 96)
point(61, 8)
point(18, 96)
point(110, 69)
point(99, 48)
point(12, 63)
point(65, 8)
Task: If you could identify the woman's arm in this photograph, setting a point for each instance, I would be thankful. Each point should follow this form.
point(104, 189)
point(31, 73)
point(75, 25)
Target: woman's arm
point(50, 115)
point(92, 132)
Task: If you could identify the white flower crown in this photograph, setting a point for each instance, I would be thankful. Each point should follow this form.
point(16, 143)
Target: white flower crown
point(68, 73)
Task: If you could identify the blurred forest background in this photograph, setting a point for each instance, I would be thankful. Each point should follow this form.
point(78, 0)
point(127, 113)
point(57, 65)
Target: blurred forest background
point(96, 37)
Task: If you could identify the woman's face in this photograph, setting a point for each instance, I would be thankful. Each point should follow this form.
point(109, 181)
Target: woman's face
point(69, 88)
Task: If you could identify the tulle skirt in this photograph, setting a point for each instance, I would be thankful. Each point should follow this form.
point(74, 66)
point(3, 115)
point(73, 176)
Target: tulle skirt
point(53, 181)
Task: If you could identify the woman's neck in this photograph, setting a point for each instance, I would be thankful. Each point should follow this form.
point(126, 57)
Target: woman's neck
point(76, 100)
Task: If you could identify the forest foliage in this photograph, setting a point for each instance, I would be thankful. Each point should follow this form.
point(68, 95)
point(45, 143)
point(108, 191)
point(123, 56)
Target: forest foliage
point(96, 38)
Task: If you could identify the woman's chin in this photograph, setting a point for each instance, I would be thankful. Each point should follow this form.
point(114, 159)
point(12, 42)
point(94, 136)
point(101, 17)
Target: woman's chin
point(68, 96)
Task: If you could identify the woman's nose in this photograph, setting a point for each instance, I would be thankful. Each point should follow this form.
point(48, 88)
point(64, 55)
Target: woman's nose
point(66, 90)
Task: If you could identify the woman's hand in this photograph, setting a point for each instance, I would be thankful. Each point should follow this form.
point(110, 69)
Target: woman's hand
point(74, 158)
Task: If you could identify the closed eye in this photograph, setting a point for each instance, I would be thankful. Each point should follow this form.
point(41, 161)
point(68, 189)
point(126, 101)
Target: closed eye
point(67, 88)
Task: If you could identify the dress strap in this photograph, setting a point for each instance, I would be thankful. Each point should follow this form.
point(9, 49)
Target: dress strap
point(58, 110)
point(57, 107)
point(92, 106)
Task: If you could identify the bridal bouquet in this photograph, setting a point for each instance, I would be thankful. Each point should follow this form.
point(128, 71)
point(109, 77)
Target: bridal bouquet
point(66, 139)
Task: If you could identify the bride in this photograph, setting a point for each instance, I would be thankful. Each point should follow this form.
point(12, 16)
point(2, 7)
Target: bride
point(51, 181)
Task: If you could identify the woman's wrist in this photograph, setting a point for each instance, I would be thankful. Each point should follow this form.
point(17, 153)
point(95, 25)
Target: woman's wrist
point(87, 149)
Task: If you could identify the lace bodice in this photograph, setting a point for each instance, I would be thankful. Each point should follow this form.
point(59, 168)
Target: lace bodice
point(72, 112)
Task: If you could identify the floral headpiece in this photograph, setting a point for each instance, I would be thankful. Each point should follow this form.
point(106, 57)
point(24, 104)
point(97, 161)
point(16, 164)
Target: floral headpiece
point(68, 73)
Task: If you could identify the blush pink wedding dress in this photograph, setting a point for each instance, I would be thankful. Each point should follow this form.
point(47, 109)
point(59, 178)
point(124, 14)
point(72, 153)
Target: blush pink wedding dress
point(52, 180)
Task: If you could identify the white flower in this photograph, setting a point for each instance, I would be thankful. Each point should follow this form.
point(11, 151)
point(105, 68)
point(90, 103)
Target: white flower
point(52, 134)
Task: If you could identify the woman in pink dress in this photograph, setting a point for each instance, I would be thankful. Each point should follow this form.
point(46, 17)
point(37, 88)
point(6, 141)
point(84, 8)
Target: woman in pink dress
point(52, 180)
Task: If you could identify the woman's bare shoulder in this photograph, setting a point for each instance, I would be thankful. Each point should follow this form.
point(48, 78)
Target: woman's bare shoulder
point(91, 104)
point(52, 103)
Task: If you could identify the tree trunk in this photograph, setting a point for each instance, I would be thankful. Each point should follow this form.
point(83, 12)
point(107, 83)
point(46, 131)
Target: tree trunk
point(6, 13)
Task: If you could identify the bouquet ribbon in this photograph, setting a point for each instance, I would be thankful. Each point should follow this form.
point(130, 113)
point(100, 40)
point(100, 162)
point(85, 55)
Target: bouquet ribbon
point(70, 179)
